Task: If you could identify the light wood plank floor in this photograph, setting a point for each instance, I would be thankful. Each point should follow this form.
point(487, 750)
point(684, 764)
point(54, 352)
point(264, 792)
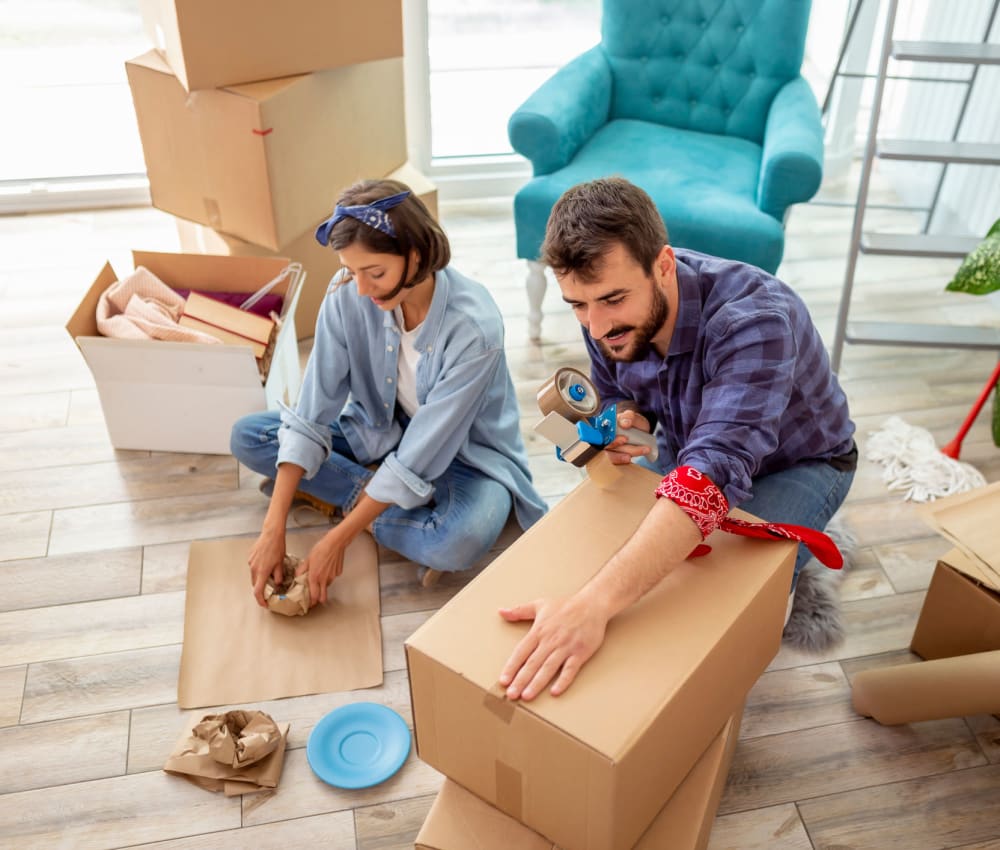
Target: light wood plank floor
point(94, 542)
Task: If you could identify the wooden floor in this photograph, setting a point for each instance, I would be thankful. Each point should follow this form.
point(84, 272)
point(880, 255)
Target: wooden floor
point(93, 548)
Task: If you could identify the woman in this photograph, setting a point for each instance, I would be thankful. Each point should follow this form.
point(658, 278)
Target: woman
point(407, 419)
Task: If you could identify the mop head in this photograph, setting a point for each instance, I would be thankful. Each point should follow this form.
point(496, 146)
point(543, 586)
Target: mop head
point(915, 466)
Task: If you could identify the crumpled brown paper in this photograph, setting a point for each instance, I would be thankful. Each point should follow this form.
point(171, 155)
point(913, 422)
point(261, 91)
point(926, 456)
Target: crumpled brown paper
point(238, 752)
point(238, 738)
point(291, 597)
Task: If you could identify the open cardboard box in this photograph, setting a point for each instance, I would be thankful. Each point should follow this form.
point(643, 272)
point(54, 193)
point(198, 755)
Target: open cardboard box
point(264, 161)
point(958, 631)
point(459, 820)
point(218, 43)
point(181, 396)
point(321, 262)
point(590, 769)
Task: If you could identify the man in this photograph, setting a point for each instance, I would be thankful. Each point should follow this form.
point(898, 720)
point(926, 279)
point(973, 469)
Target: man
point(726, 360)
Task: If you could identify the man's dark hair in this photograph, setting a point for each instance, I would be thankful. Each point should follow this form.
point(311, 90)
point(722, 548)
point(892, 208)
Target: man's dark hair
point(591, 218)
point(416, 230)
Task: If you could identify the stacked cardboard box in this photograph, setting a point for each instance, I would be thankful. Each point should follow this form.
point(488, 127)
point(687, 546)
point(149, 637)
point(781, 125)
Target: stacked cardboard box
point(594, 768)
point(254, 116)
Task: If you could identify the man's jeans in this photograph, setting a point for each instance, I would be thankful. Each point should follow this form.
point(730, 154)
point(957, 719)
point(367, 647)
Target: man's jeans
point(807, 494)
point(457, 528)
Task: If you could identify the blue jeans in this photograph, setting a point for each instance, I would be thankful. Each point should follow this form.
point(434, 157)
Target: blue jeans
point(452, 532)
point(806, 494)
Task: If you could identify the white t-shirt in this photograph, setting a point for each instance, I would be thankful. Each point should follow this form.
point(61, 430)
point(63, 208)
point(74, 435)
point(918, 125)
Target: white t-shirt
point(406, 370)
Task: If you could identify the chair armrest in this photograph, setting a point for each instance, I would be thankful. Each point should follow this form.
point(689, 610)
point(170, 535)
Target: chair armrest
point(791, 166)
point(562, 113)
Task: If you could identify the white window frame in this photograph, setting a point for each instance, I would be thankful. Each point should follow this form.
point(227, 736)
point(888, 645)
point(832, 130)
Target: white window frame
point(457, 178)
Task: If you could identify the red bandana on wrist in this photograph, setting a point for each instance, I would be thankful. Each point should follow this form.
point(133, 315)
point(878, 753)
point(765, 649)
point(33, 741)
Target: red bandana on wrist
point(695, 494)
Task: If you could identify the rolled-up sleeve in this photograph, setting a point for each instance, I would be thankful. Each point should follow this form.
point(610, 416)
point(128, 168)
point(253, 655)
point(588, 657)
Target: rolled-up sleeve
point(750, 379)
point(437, 431)
point(304, 437)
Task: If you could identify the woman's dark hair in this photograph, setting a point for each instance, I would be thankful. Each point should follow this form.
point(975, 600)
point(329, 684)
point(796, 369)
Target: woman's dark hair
point(591, 218)
point(416, 230)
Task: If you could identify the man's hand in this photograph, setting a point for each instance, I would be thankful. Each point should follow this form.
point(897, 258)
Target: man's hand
point(566, 632)
point(619, 449)
point(266, 558)
point(324, 563)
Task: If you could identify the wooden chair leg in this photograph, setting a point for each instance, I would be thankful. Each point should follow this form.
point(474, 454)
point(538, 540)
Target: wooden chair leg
point(535, 285)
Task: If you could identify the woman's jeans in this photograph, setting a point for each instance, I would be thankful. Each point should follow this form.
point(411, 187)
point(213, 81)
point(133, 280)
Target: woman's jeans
point(806, 494)
point(452, 532)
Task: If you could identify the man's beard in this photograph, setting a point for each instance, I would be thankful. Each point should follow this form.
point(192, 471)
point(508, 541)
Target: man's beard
point(643, 335)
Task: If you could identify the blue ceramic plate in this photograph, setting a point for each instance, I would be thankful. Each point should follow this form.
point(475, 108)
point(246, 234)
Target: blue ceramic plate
point(358, 745)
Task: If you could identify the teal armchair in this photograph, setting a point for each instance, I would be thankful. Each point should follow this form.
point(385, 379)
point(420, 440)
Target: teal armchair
point(699, 102)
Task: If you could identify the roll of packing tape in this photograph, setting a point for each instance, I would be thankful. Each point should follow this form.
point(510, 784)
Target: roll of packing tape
point(569, 393)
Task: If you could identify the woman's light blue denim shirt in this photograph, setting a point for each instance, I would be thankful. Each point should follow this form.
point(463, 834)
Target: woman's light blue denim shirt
point(468, 409)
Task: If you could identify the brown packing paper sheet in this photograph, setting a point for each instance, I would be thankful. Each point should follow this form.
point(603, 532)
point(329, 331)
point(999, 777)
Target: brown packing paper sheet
point(969, 521)
point(191, 759)
point(237, 652)
point(459, 820)
point(930, 690)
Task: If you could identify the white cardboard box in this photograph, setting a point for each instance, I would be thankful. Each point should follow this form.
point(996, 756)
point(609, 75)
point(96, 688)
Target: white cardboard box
point(181, 396)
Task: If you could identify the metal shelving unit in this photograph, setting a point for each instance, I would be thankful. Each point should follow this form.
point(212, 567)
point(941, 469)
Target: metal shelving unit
point(922, 244)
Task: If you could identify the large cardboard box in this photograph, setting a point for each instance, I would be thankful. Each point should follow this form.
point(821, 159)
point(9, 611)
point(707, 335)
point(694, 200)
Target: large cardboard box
point(459, 820)
point(961, 612)
point(960, 615)
point(214, 43)
point(320, 262)
point(264, 161)
point(181, 396)
point(590, 770)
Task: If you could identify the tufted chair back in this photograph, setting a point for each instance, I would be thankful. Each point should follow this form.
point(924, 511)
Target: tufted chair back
point(707, 65)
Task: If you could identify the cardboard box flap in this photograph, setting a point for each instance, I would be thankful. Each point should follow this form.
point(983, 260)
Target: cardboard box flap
point(968, 566)
point(969, 521)
point(83, 322)
point(207, 272)
point(729, 579)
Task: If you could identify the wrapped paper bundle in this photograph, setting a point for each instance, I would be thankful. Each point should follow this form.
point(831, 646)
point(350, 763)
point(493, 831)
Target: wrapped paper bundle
point(291, 597)
point(237, 752)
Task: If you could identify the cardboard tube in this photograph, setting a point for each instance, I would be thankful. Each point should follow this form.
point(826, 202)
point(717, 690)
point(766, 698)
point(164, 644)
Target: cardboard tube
point(930, 690)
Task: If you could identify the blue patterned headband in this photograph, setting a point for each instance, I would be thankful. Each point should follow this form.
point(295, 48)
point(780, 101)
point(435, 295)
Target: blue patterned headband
point(375, 214)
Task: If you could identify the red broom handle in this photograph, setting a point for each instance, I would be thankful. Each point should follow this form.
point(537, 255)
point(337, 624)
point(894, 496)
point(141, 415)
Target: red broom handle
point(955, 446)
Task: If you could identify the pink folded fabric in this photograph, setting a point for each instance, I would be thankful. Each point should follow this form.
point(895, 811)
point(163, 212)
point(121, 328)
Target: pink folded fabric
point(141, 306)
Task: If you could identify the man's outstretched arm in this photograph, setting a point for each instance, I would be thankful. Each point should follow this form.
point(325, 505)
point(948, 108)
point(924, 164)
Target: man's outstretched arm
point(567, 631)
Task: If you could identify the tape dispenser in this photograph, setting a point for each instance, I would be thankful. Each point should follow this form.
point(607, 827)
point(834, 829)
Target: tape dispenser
point(574, 421)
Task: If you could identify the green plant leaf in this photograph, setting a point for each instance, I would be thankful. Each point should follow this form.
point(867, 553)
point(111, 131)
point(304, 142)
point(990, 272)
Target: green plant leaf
point(979, 273)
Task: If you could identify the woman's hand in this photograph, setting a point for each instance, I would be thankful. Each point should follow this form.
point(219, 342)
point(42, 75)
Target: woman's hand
point(265, 560)
point(324, 563)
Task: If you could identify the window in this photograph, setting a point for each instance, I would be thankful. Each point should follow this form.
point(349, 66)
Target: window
point(66, 101)
point(487, 56)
